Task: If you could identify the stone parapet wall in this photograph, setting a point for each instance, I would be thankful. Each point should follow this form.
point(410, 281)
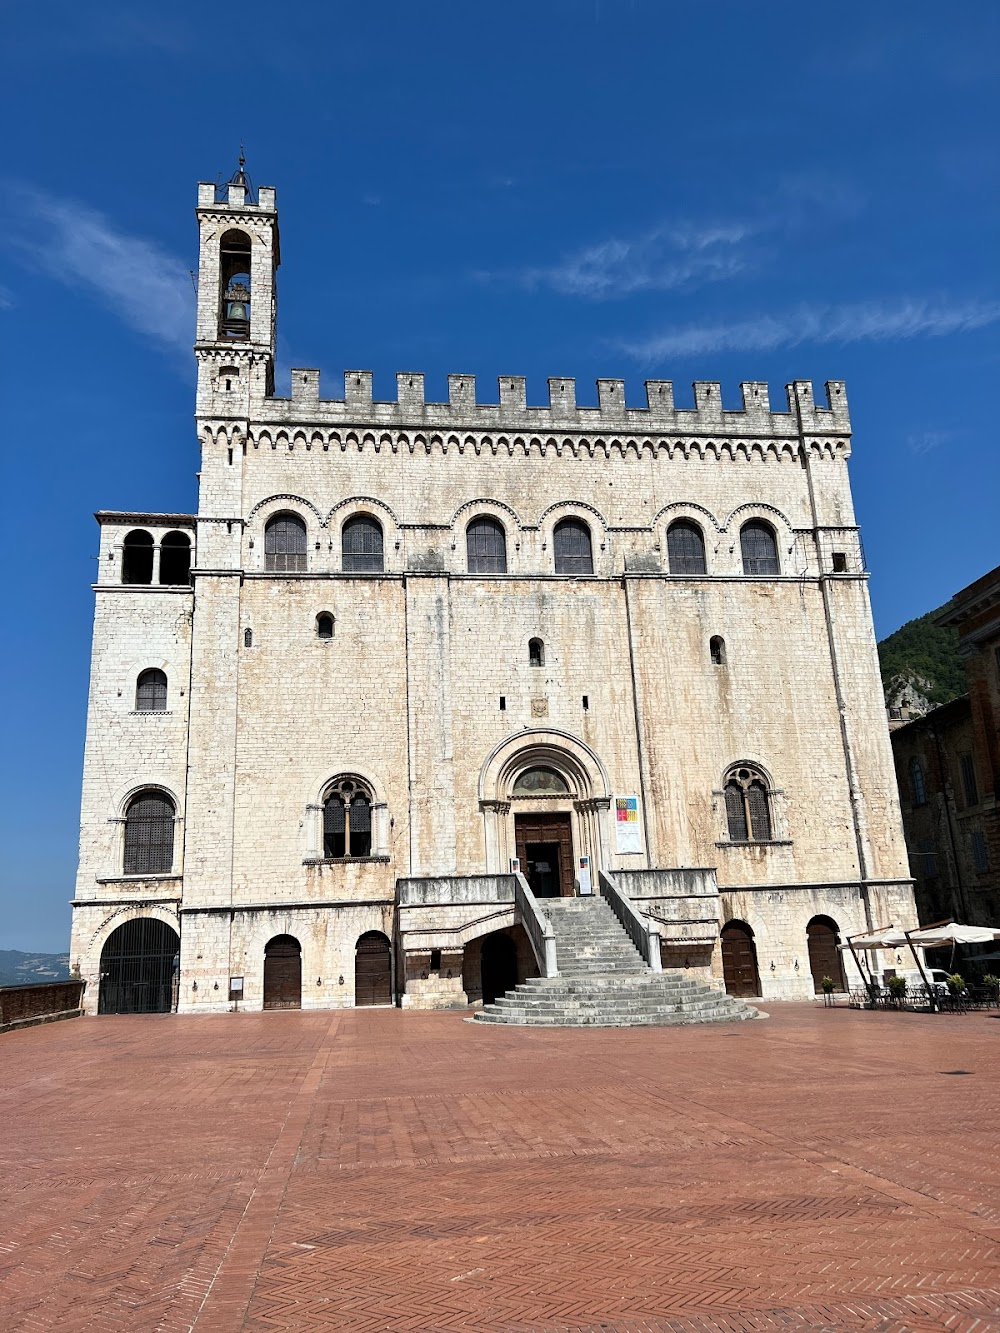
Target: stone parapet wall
point(47, 1002)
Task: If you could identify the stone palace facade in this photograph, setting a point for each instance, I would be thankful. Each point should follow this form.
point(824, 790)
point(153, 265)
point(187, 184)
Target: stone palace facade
point(402, 644)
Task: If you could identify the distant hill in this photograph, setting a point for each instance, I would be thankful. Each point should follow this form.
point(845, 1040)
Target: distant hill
point(926, 655)
point(22, 969)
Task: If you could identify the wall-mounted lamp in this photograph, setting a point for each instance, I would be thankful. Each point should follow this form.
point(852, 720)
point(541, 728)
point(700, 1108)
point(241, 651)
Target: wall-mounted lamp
point(319, 981)
point(772, 964)
point(194, 985)
point(796, 964)
point(216, 986)
point(340, 981)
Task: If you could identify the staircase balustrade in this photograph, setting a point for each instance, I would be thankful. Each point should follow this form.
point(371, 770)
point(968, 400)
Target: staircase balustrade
point(537, 927)
point(640, 931)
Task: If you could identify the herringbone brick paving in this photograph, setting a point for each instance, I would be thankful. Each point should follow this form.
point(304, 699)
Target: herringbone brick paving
point(385, 1170)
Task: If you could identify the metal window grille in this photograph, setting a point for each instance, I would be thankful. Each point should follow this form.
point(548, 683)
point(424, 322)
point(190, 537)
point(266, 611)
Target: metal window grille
point(360, 819)
point(736, 813)
point(285, 544)
point(980, 858)
point(175, 559)
point(149, 835)
point(486, 546)
point(685, 548)
point(137, 558)
point(139, 969)
point(969, 784)
point(748, 807)
point(917, 782)
point(362, 545)
point(760, 550)
point(151, 692)
point(573, 552)
point(334, 827)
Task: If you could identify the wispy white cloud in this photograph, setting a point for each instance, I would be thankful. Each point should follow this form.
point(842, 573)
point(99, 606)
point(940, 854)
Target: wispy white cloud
point(147, 287)
point(6, 298)
point(925, 441)
point(862, 321)
point(660, 259)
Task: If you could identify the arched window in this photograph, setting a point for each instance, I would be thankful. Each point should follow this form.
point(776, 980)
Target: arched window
point(486, 546)
point(324, 625)
point(748, 808)
point(175, 559)
point(536, 652)
point(149, 834)
point(248, 638)
point(917, 782)
point(717, 648)
point(571, 542)
point(361, 545)
point(151, 691)
point(234, 272)
point(759, 548)
point(137, 557)
point(347, 820)
point(285, 544)
point(685, 548)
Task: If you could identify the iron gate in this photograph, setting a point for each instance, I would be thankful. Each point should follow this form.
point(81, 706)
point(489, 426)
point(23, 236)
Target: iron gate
point(139, 964)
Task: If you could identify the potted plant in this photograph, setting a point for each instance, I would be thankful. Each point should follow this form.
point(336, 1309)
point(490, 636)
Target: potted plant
point(827, 984)
point(897, 990)
point(992, 984)
point(956, 984)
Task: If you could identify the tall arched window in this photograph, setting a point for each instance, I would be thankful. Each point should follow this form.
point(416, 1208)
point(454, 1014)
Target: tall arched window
point(717, 649)
point(572, 548)
point(361, 545)
point(175, 559)
point(748, 807)
point(151, 691)
point(324, 625)
point(347, 820)
point(285, 544)
point(685, 548)
point(759, 548)
point(137, 557)
point(536, 653)
point(486, 546)
point(234, 271)
point(917, 782)
point(149, 834)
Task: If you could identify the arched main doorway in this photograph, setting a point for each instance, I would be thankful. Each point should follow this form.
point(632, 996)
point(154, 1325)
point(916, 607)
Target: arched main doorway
point(283, 973)
point(739, 959)
point(139, 968)
point(372, 970)
point(824, 956)
point(498, 966)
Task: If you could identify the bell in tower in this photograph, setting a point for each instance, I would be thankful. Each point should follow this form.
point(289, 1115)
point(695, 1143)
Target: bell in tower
point(235, 274)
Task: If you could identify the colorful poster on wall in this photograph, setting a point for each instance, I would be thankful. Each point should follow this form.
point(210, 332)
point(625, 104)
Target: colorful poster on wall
point(628, 832)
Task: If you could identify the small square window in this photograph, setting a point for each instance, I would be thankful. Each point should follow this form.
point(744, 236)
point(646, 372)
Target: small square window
point(840, 562)
point(435, 960)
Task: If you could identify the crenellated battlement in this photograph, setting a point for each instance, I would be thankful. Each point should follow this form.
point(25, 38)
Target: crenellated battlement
point(661, 415)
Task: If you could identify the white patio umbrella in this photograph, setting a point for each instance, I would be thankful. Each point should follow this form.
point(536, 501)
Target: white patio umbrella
point(936, 937)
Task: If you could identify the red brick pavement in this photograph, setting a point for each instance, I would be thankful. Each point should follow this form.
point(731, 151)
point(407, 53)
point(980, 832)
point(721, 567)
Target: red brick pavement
point(385, 1170)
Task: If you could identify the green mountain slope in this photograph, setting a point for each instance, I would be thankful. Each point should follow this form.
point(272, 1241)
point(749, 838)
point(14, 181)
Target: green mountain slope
point(921, 651)
point(19, 969)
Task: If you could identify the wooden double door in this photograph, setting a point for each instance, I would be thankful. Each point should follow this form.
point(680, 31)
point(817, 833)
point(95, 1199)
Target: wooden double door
point(739, 960)
point(372, 970)
point(545, 847)
point(283, 973)
point(824, 956)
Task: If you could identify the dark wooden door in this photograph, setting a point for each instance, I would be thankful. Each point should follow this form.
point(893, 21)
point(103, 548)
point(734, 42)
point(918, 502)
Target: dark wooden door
point(546, 840)
point(372, 970)
point(283, 973)
point(824, 956)
point(739, 960)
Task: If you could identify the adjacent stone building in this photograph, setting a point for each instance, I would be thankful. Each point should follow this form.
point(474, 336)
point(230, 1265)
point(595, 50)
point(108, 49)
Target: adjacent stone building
point(947, 764)
point(403, 644)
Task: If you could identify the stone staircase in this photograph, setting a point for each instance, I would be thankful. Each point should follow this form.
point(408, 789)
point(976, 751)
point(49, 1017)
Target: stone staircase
point(604, 982)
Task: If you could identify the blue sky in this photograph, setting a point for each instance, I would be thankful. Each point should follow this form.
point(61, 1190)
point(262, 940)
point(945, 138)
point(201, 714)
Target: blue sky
point(623, 188)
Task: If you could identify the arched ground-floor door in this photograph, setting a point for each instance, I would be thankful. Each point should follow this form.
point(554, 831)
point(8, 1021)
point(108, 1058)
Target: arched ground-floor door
point(372, 970)
point(283, 973)
point(139, 968)
point(824, 957)
point(498, 966)
point(739, 959)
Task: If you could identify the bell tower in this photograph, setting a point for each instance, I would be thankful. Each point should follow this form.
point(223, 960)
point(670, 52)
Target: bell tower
point(238, 259)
